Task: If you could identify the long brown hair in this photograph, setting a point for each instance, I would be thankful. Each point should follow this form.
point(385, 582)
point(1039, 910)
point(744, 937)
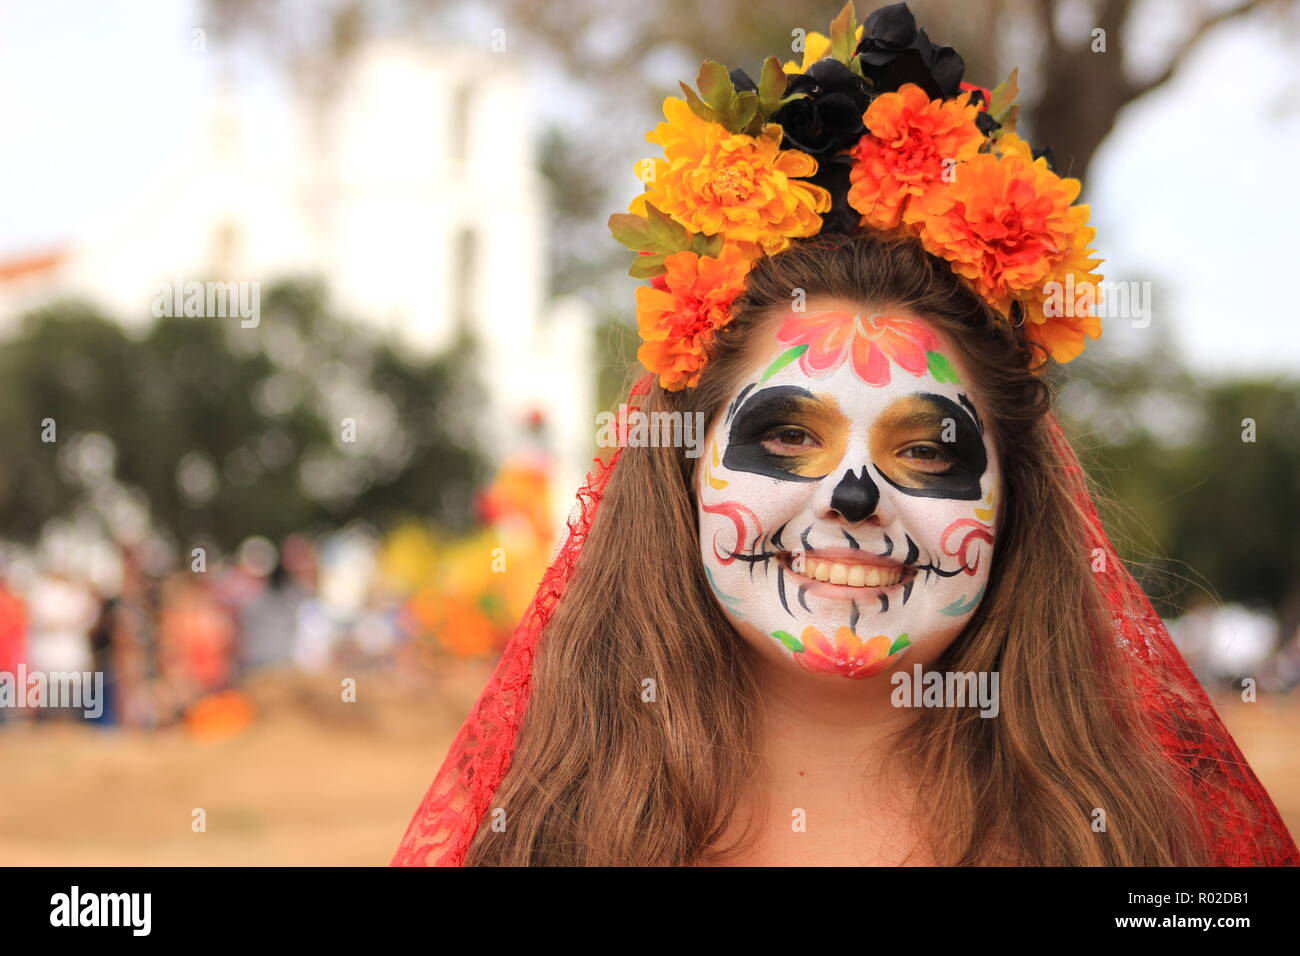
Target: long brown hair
point(601, 776)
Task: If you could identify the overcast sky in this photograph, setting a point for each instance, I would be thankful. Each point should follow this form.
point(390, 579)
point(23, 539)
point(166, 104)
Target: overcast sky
point(1194, 190)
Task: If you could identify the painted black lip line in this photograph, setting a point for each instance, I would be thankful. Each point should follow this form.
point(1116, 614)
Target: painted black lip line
point(939, 571)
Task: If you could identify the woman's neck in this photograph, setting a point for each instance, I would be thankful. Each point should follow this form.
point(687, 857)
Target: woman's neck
point(825, 791)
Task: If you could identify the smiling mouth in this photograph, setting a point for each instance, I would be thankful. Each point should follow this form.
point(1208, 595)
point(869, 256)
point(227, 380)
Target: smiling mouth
point(862, 572)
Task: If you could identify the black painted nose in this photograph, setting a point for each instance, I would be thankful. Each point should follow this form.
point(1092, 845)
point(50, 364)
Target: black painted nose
point(855, 498)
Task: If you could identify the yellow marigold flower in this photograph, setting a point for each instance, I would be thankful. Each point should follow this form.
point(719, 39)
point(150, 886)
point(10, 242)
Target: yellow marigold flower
point(1006, 224)
point(678, 316)
point(745, 188)
point(816, 46)
point(909, 152)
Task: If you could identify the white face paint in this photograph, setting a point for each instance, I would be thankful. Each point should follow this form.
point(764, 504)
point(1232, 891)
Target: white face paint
point(848, 493)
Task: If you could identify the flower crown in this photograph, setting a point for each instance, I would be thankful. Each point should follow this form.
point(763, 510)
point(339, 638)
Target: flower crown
point(874, 130)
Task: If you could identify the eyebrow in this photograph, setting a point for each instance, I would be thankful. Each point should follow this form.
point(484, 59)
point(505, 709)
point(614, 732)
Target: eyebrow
point(779, 398)
point(790, 399)
point(917, 417)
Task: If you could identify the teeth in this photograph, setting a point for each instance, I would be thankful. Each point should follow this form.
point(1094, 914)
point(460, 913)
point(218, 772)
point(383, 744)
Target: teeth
point(853, 575)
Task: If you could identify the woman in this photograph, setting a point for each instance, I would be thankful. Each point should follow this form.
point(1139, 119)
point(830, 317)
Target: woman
point(872, 618)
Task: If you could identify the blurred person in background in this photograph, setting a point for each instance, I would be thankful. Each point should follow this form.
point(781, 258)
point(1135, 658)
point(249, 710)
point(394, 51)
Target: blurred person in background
point(13, 635)
point(196, 641)
point(268, 628)
point(63, 611)
point(134, 650)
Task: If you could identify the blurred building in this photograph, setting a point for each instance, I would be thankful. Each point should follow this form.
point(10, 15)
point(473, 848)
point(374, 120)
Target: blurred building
point(411, 188)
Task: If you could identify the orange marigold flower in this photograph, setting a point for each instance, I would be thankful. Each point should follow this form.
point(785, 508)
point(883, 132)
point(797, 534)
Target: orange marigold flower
point(1006, 224)
point(745, 188)
point(911, 141)
point(1067, 311)
point(677, 321)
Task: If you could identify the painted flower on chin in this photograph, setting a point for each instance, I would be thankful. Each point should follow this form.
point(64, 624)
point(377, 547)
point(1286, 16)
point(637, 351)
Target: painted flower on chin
point(870, 341)
point(847, 655)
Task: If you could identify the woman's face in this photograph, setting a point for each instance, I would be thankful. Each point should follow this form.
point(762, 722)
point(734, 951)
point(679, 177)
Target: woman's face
point(848, 492)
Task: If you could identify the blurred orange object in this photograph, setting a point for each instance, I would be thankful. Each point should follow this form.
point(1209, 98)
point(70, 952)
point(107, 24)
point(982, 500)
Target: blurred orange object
point(219, 716)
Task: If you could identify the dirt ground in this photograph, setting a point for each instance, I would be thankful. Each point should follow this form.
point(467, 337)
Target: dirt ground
point(316, 782)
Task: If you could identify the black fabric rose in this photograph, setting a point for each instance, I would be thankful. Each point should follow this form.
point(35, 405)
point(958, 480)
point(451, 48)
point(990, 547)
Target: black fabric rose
point(829, 117)
point(833, 176)
point(894, 52)
point(827, 121)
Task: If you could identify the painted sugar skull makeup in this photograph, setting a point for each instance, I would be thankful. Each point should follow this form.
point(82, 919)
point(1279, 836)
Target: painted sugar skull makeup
point(848, 493)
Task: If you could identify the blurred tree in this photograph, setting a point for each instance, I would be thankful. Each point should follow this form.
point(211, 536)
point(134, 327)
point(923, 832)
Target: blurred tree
point(230, 431)
point(1192, 506)
point(622, 57)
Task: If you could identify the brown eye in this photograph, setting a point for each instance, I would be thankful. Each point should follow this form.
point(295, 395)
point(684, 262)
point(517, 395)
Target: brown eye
point(929, 458)
point(789, 440)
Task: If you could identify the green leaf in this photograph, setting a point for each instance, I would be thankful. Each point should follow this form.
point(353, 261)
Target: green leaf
point(697, 105)
point(647, 267)
point(843, 30)
point(789, 640)
point(657, 232)
point(703, 245)
point(746, 110)
point(772, 82)
point(630, 229)
point(784, 359)
point(941, 368)
point(718, 90)
point(1004, 95)
point(665, 232)
point(1009, 119)
point(790, 99)
point(899, 643)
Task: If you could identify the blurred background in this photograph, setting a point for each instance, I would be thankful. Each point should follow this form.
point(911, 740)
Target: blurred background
point(357, 480)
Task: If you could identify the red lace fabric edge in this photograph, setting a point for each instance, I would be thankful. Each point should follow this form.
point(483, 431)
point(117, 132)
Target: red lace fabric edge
point(1239, 821)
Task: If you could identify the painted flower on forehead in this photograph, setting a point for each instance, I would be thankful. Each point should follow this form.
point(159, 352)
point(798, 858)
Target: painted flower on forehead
point(744, 188)
point(678, 316)
point(909, 151)
point(847, 655)
point(823, 340)
point(1006, 224)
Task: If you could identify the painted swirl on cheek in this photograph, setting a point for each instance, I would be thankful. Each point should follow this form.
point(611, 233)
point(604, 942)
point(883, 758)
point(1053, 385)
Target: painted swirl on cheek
point(973, 532)
point(925, 417)
point(738, 514)
point(791, 407)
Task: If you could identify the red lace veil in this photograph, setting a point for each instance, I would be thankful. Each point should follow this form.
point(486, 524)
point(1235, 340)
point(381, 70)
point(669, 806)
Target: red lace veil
point(1239, 821)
